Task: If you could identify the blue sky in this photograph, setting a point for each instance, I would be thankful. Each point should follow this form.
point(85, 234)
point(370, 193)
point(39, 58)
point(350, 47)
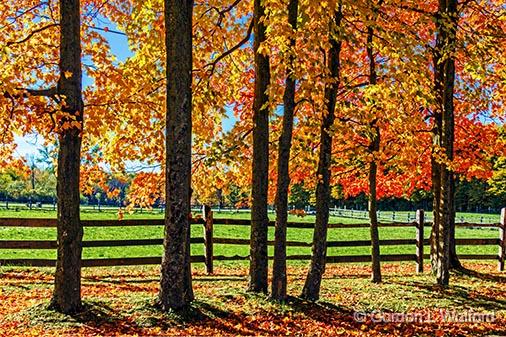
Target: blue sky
point(29, 145)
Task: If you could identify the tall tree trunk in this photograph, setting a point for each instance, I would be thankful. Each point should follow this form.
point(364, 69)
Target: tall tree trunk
point(67, 290)
point(453, 257)
point(189, 295)
point(443, 139)
point(373, 208)
point(279, 279)
point(373, 166)
point(311, 290)
point(175, 285)
point(436, 240)
point(260, 168)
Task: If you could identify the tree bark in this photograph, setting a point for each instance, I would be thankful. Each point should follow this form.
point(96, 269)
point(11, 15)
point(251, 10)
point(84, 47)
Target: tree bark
point(443, 139)
point(453, 257)
point(279, 279)
point(373, 208)
point(373, 166)
point(67, 290)
point(437, 245)
point(175, 285)
point(189, 295)
point(311, 290)
point(260, 168)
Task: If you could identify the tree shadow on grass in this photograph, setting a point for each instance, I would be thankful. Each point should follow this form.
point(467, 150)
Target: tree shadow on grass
point(120, 278)
point(456, 294)
point(213, 278)
point(344, 317)
point(300, 304)
point(482, 276)
point(198, 317)
point(347, 276)
point(210, 278)
point(324, 312)
point(94, 315)
point(100, 318)
point(216, 317)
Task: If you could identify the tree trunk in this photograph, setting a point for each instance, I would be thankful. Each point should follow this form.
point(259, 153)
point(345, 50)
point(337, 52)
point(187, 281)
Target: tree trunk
point(279, 280)
point(373, 208)
point(373, 166)
point(189, 295)
point(443, 139)
point(453, 257)
point(67, 290)
point(311, 290)
point(260, 168)
point(175, 285)
point(436, 240)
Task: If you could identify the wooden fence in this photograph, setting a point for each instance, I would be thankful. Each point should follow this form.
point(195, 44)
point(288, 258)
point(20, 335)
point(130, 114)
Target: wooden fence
point(410, 216)
point(207, 222)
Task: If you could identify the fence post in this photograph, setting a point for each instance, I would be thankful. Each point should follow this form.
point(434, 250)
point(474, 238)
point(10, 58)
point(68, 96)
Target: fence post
point(207, 214)
point(420, 221)
point(502, 240)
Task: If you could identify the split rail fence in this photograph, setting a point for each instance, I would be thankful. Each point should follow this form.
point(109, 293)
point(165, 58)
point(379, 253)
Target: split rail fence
point(208, 240)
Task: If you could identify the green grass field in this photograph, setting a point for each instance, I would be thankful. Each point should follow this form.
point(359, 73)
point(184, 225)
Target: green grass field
point(220, 231)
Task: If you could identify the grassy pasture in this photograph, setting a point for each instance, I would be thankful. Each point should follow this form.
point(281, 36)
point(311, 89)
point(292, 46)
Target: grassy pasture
point(220, 231)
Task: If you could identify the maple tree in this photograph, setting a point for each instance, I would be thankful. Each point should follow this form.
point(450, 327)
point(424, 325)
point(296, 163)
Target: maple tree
point(311, 288)
point(176, 288)
point(67, 293)
point(260, 157)
point(374, 146)
point(379, 126)
point(42, 84)
point(279, 278)
point(443, 138)
point(66, 90)
point(465, 41)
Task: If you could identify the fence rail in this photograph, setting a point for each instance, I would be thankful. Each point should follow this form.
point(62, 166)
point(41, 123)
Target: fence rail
point(208, 240)
point(50, 222)
point(408, 216)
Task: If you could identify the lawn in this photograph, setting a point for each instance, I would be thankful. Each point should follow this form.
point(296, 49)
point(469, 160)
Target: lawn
point(220, 231)
point(120, 302)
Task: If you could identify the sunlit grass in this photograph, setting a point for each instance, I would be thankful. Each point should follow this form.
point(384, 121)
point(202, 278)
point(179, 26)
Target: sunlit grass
point(220, 231)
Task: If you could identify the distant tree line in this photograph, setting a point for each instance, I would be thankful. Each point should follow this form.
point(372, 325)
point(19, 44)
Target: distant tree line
point(38, 186)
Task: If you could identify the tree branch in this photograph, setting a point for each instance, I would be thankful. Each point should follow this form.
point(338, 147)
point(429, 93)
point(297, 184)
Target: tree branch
point(221, 12)
point(20, 14)
point(231, 50)
point(416, 10)
point(51, 92)
point(29, 36)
